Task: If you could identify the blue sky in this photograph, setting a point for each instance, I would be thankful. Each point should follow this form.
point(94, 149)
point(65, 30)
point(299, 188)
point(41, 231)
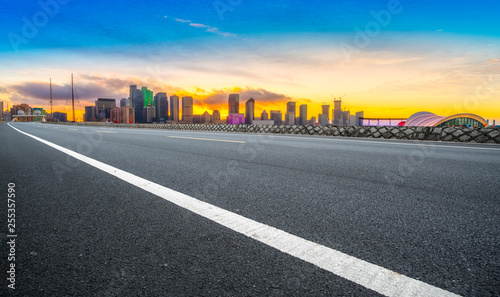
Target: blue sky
point(292, 49)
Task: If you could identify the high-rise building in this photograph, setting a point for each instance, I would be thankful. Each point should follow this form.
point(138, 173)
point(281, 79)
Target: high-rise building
point(123, 115)
point(290, 107)
point(103, 107)
point(236, 119)
point(277, 117)
point(215, 116)
point(174, 108)
point(148, 96)
point(187, 109)
point(60, 116)
point(149, 114)
point(264, 116)
point(325, 110)
point(138, 101)
point(161, 105)
point(303, 114)
point(133, 88)
point(234, 103)
point(125, 102)
point(337, 112)
point(359, 116)
point(90, 114)
point(290, 118)
point(323, 119)
point(206, 118)
point(312, 121)
point(249, 111)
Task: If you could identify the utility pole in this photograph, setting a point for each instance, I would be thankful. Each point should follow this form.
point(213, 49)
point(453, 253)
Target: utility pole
point(51, 114)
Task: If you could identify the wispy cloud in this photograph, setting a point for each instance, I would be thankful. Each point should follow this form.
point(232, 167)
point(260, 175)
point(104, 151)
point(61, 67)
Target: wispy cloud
point(208, 28)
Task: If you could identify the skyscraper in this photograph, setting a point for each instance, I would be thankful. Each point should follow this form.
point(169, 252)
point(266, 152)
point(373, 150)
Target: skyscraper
point(290, 118)
point(90, 114)
point(215, 116)
point(234, 103)
point(161, 105)
point(290, 107)
point(337, 112)
point(277, 117)
point(174, 108)
point(249, 111)
point(133, 88)
point(264, 116)
point(138, 100)
point(187, 109)
point(325, 109)
point(303, 114)
point(103, 108)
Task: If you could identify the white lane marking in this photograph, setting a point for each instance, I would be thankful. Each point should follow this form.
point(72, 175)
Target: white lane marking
point(371, 276)
point(100, 131)
point(73, 129)
point(195, 138)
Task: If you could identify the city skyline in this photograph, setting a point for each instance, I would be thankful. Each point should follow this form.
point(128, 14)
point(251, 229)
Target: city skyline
point(391, 58)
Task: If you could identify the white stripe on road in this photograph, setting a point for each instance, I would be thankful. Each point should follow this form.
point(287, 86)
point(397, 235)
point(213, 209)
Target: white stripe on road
point(236, 141)
point(100, 131)
point(371, 276)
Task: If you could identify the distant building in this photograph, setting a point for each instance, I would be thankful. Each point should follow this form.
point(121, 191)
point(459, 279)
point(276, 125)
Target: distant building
point(249, 111)
point(124, 102)
point(187, 109)
point(234, 103)
point(161, 105)
point(215, 116)
point(345, 118)
point(325, 110)
point(277, 117)
point(323, 119)
point(236, 119)
point(429, 119)
point(313, 121)
point(206, 118)
point(359, 115)
point(138, 100)
point(103, 108)
point(174, 108)
point(197, 118)
point(149, 114)
point(1, 111)
point(337, 112)
point(290, 118)
point(124, 115)
point(90, 114)
point(303, 114)
point(290, 107)
point(60, 116)
point(264, 116)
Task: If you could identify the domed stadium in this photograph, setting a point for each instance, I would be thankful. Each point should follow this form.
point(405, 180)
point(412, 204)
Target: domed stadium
point(429, 119)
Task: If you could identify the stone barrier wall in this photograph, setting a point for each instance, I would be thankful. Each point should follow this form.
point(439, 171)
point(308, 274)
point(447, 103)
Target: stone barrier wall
point(457, 134)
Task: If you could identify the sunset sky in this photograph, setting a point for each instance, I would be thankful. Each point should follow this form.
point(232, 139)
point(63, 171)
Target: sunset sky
point(390, 58)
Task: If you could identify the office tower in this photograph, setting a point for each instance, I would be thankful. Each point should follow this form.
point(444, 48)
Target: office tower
point(337, 112)
point(103, 108)
point(206, 118)
point(187, 109)
point(290, 118)
point(359, 117)
point(124, 102)
point(303, 114)
point(124, 115)
point(174, 108)
point(249, 111)
point(133, 88)
point(234, 103)
point(215, 116)
point(313, 121)
point(290, 107)
point(323, 119)
point(236, 119)
point(161, 105)
point(60, 116)
point(325, 109)
point(90, 114)
point(276, 117)
point(149, 114)
point(345, 117)
point(264, 116)
point(138, 99)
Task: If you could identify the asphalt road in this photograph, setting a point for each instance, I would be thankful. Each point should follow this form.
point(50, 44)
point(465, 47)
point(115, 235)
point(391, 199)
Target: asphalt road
point(427, 210)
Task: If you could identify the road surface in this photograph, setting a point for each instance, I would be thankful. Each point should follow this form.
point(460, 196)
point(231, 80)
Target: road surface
point(427, 213)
